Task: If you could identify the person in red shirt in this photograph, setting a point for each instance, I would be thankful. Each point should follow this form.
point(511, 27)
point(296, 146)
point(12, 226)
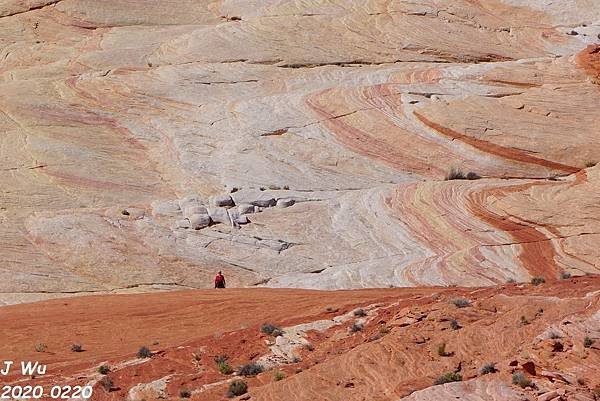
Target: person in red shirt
point(219, 280)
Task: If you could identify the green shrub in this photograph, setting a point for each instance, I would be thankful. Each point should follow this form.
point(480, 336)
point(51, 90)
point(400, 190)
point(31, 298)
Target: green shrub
point(448, 377)
point(360, 312)
point(590, 163)
point(538, 280)
point(144, 352)
point(76, 348)
point(40, 347)
point(565, 275)
point(271, 330)
point(588, 342)
point(279, 376)
point(519, 379)
point(454, 324)
point(524, 321)
point(442, 350)
point(461, 302)
point(224, 368)
point(251, 369)
point(356, 327)
point(185, 393)
point(106, 383)
point(104, 369)
point(472, 176)
point(488, 368)
point(237, 388)
point(455, 174)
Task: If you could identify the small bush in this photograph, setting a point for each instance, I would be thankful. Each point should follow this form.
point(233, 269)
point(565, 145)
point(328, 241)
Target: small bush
point(448, 377)
point(473, 176)
point(279, 376)
point(76, 348)
point(104, 369)
point(40, 347)
point(224, 368)
point(221, 359)
point(360, 312)
point(271, 330)
point(588, 342)
point(237, 388)
point(590, 163)
point(106, 383)
point(461, 302)
point(185, 393)
point(538, 280)
point(356, 327)
point(488, 368)
point(455, 174)
point(524, 321)
point(251, 369)
point(554, 335)
point(519, 379)
point(565, 275)
point(454, 324)
point(442, 350)
point(144, 352)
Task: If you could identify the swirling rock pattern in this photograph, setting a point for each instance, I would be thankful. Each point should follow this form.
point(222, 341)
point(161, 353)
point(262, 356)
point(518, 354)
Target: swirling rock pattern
point(352, 111)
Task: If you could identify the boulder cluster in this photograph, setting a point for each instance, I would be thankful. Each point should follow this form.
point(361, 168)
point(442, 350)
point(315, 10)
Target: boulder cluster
point(197, 214)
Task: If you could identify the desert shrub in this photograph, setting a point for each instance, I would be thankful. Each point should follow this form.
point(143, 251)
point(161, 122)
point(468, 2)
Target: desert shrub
point(524, 321)
point(565, 275)
point(76, 348)
point(590, 163)
point(448, 377)
point(442, 350)
point(251, 369)
point(279, 376)
point(554, 335)
point(185, 393)
point(271, 330)
point(41, 347)
point(106, 383)
point(104, 369)
point(144, 352)
point(461, 302)
point(224, 368)
point(360, 312)
point(488, 368)
point(455, 174)
point(356, 327)
point(473, 176)
point(221, 358)
point(538, 280)
point(236, 388)
point(588, 342)
point(454, 324)
point(222, 365)
point(519, 379)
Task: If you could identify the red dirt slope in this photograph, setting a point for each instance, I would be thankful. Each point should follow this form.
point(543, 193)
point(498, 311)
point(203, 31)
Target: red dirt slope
point(538, 330)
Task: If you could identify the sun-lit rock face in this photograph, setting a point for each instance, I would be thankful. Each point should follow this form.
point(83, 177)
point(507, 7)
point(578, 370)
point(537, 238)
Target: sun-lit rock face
point(331, 124)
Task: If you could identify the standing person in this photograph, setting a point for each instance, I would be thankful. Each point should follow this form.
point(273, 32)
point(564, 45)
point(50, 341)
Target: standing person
point(219, 280)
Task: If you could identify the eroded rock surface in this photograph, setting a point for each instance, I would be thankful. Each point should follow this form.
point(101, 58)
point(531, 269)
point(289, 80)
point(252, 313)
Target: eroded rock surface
point(352, 111)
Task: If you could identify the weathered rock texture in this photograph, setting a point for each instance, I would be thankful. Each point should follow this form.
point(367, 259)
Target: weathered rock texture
point(354, 111)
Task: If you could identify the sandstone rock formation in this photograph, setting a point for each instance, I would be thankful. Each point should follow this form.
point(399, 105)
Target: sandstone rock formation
point(354, 111)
